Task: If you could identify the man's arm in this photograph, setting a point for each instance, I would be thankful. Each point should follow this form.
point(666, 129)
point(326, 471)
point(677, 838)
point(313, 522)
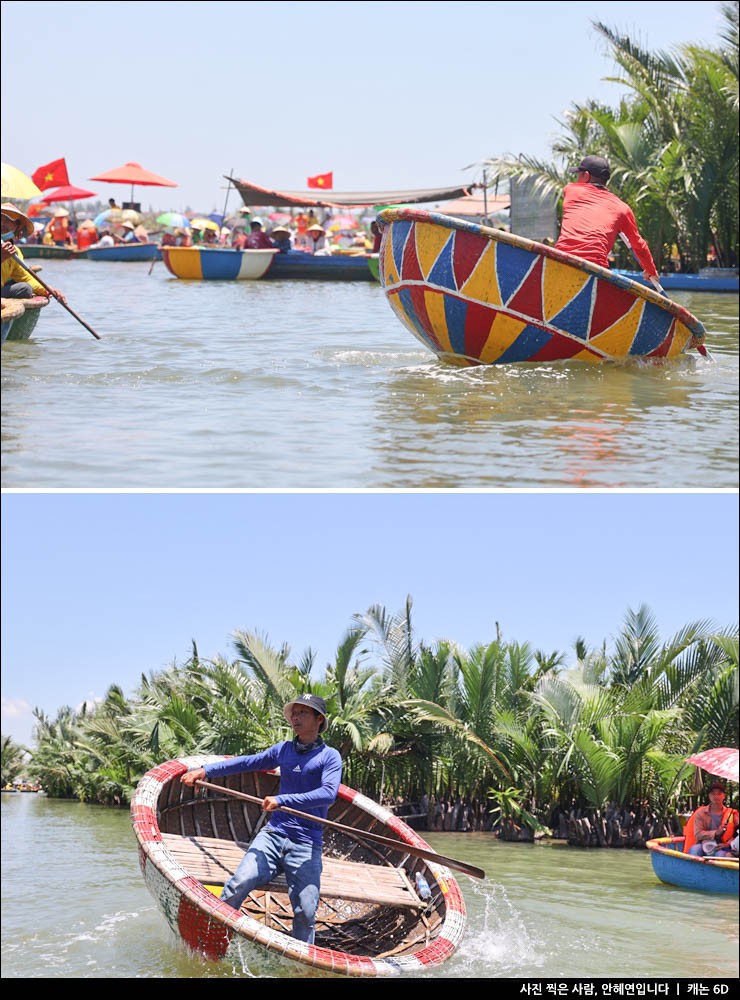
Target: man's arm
point(631, 236)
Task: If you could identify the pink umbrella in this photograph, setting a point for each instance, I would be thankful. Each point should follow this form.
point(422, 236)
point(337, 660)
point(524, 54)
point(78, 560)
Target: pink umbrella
point(722, 762)
point(343, 222)
point(134, 173)
point(67, 193)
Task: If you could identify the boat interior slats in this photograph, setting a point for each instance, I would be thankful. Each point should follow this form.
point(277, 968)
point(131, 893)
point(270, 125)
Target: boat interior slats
point(212, 861)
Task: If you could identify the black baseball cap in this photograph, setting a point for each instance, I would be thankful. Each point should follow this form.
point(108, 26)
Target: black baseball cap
point(597, 166)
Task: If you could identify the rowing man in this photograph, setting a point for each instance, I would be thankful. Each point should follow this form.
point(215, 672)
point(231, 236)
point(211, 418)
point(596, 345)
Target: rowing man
point(310, 773)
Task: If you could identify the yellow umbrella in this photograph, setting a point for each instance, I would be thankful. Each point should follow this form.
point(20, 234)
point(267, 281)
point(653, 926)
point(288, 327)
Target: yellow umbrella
point(16, 184)
point(204, 224)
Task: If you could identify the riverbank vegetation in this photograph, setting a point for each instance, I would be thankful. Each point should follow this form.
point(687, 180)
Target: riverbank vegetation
point(672, 144)
point(499, 736)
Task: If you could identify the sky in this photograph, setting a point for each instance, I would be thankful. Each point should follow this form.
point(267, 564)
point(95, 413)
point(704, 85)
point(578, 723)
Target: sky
point(385, 95)
point(104, 588)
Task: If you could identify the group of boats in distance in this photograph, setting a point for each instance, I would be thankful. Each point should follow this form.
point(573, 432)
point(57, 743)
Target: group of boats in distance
point(471, 294)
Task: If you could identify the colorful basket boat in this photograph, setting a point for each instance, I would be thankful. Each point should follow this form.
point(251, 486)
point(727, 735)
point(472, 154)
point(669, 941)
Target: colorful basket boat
point(480, 296)
point(370, 920)
point(706, 874)
point(216, 264)
point(227, 264)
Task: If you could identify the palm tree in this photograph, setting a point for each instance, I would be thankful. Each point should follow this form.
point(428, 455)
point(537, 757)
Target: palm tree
point(672, 144)
point(14, 760)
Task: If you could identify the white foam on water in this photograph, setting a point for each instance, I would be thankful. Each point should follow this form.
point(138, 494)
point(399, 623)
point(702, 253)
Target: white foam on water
point(499, 939)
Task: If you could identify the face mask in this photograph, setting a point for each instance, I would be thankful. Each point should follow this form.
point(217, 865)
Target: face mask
point(9, 236)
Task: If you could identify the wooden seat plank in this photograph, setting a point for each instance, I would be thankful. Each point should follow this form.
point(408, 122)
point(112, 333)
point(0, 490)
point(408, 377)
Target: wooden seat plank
point(213, 861)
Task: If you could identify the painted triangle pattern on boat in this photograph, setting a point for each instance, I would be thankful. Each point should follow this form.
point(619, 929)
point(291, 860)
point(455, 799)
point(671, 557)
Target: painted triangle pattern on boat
point(497, 301)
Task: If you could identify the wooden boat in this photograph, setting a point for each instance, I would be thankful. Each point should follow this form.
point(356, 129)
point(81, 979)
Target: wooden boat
point(370, 920)
point(23, 325)
point(708, 280)
point(217, 263)
point(475, 296)
point(706, 874)
point(123, 252)
point(45, 251)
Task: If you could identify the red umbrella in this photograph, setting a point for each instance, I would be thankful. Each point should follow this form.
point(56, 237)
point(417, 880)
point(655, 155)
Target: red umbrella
point(67, 193)
point(722, 762)
point(134, 173)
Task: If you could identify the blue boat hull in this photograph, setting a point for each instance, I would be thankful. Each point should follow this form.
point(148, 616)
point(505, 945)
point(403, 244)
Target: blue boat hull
point(297, 265)
point(688, 282)
point(129, 252)
point(689, 872)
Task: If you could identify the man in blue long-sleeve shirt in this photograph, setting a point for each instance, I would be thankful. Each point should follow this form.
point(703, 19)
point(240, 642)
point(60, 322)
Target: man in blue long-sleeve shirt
point(310, 773)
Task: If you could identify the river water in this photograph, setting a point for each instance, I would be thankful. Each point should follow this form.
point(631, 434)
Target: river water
point(74, 905)
point(304, 385)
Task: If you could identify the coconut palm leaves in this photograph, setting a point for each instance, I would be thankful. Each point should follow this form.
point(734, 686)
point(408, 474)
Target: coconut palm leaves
point(14, 759)
point(672, 144)
point(496, 721)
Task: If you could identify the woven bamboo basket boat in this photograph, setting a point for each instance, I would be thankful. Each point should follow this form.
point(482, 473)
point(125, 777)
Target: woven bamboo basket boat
point(370, 920)
point(22, 324)
point(479, 296)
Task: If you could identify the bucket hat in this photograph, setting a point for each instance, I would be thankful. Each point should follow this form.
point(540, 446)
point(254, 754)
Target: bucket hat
point(311, 701)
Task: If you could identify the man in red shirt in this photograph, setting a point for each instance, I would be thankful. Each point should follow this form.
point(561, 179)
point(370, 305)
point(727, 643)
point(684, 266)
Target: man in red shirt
point(258, 238)
point(593, 218)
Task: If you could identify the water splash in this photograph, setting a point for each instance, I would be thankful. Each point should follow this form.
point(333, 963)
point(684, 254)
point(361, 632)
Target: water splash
point(498, 939)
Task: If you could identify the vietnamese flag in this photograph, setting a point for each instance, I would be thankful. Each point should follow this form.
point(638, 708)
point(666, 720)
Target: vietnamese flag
point(321, 181)
point(52, 175)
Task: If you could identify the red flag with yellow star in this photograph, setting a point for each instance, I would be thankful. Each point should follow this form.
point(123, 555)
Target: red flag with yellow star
point(321, 181)
point(51, 175)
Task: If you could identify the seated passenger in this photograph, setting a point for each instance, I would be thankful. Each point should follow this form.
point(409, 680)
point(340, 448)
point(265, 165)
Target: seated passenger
point(712, 827)
point(258, 238)
point(281, 239)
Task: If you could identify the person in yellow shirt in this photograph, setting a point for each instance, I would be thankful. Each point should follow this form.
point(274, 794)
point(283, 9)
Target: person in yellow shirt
point(16, 281)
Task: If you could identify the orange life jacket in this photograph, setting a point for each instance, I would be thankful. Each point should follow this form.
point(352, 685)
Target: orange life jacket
point(728, 817)
point(86, 237)
point(59, 230)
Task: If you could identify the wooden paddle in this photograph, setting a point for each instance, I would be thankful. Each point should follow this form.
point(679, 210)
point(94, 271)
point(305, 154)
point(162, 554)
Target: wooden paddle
point(51, 295)
point(399, 845)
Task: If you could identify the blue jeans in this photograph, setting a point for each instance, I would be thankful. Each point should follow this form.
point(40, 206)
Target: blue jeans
point(271, 852)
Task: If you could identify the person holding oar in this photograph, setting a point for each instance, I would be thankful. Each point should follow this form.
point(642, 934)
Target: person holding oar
point(18, 281)
point(310, 774)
